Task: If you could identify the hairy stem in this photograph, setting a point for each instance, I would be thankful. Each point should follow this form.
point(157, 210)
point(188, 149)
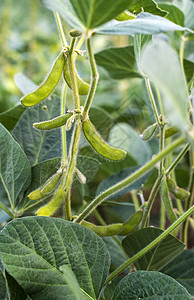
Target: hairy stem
point(126, 182)
point(61, 31)
point(63, 131)
point(94, 80)
point(151, 245)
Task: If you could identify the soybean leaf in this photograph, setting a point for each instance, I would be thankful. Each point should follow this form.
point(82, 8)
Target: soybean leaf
point(10, 117)
point(119, 62)
point(174, 14)
point(112, 180)
point(40, 145)
point(187, 6)
point(182, 269)
point(110, 288)
point(88, 166)
point(159, 256)
point(118, 256)
point(124, 136)
point(15, 171)
point(87, 13)
point(39, 246)
point(150, 6)
point(65, 9)
point(3, 289)
point(139, 285)
point(144, 23)
point(155, 62)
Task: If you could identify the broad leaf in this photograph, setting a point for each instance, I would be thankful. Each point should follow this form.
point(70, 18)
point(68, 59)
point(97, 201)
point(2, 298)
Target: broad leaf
point(159, 256)
point(119, 62)
point(160, 62)
point(174, 14)
point(114, 179)
point(39, 247)
point(150, 285)
point(124, 136)
point(150, 6)
point(3, 289)
point(182, 269)
point(88, 166)
point(117, 254)
point(189, 69)
point(10, 117)
point(15, 290)
point(144, 23)
point(15, 171)
point(40, 145)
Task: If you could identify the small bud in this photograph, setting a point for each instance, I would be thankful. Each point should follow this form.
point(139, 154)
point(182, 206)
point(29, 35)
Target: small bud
point(75, 33)
point(149, 132)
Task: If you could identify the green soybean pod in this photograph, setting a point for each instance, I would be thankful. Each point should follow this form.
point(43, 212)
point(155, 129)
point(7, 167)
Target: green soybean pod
point(107, 230)
point(53, 123)
point(131, 223)
point(99, 144)
point(178, 192)
point(47, 187)
point(48, 85)
point(83, 87)
point(167, 201)
point(49, 209)
point(149, 132)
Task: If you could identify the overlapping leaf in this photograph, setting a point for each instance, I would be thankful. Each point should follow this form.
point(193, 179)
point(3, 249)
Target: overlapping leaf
point(159, 256)
point(15, 170)
point(150, 285)
point(34, 250)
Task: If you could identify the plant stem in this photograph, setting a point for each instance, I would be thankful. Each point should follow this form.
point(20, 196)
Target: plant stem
point(150, 201)
point(61, 31)
point(71, 65)
point(151, 245)
point(2, 206)
point(93, 83)
point(151, 96)
point(126, 182)
point(177, 160)
point(63, 131)
point(162, 138)
point(71, 166)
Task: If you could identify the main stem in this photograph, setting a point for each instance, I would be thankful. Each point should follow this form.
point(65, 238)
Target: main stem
point(151, 245)
point(93, 83)
point(126, 182)
point(63, 131)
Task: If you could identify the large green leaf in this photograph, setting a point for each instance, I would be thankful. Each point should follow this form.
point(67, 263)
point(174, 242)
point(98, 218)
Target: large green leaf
point(119, 62)
point(34, 250)
point(174, 14)
point(114, 179)
point(159, 256)
point(15, 170)
point(150, 285)
point(144, 23)
point(88, 166)
point(160, 62)
point(40, 145)
point(87, 13)
point(124, 136)
point(182, 269)
point(10, 117)
point(150, 6)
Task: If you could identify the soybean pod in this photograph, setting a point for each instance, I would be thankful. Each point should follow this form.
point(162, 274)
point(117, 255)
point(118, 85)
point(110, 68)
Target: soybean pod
point(52, 206)
point(99, 144)
point(132, 222)
point(178, 192)
point(83, 87)
point(47, 187)
point(53, 123)
point(167, 201)
point(48, 85)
